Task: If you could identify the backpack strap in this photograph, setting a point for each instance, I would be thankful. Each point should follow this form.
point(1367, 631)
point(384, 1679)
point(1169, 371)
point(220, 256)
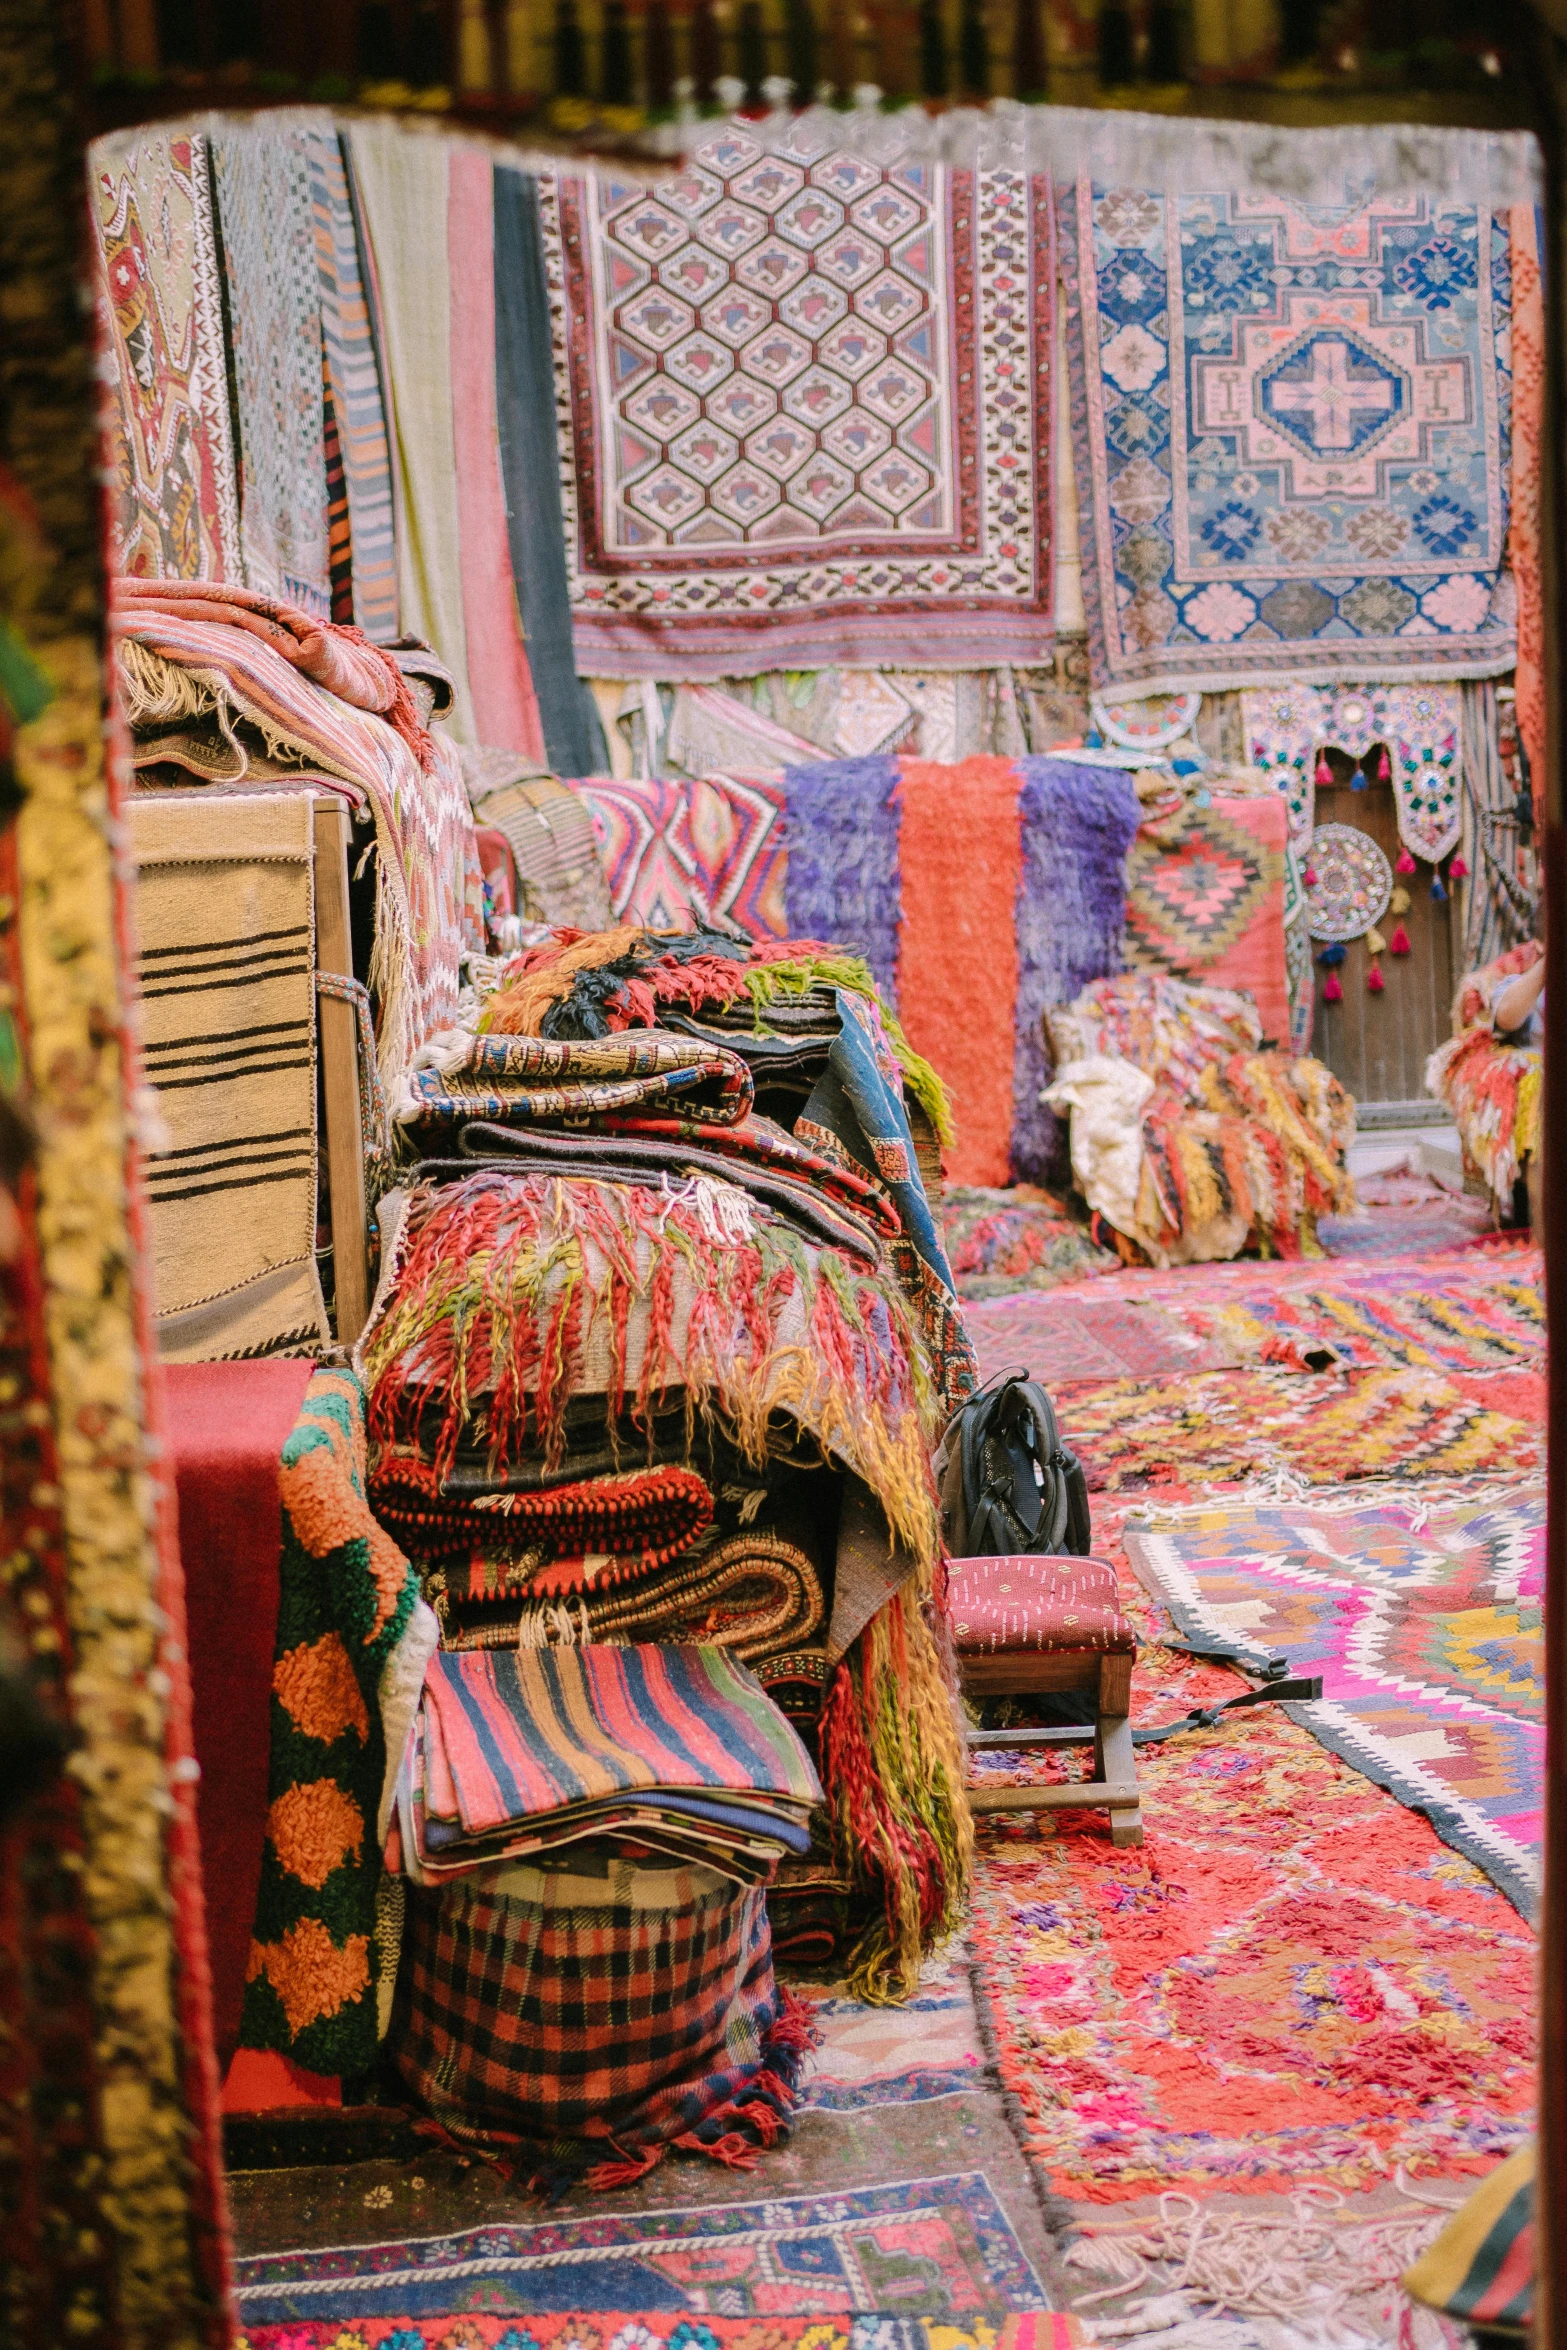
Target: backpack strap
point(1299, 1689)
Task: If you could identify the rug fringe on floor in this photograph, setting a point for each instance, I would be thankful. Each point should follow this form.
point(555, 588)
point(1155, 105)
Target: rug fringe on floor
point(1320, 2275)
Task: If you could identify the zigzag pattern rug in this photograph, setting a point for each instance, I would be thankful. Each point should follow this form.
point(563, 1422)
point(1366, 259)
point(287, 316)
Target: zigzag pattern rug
point(1423, 1620)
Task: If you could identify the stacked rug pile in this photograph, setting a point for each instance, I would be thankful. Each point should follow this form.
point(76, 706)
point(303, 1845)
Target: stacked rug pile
point(1190, 1141)
point(653, 1379)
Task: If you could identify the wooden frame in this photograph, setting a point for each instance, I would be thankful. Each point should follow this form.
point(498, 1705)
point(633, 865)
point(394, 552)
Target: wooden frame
point(1107, 1677)
point(343, 1123)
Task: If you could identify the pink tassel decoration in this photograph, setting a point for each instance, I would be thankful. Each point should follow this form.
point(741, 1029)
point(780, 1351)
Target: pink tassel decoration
point(1398, 944)
point(1406, 863)
point(1332, 992)
point(1324, 775)
point(1373, 979)
point(1384, 771)
point(1458, 870)
point(1309, 878)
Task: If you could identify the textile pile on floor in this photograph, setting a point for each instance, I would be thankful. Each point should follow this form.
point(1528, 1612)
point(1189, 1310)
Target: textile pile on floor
point(653, 1382)
point(1186, 1138)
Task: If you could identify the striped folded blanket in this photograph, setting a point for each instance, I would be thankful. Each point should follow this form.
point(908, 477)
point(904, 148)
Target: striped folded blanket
point(589, 1534)
point(531, 1080)
point(522, 1750)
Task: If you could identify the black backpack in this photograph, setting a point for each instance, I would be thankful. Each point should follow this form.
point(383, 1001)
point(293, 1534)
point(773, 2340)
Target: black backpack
point(1010, 1485)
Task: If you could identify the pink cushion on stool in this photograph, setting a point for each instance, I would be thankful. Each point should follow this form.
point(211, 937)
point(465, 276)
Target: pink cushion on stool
point(1003, 1605)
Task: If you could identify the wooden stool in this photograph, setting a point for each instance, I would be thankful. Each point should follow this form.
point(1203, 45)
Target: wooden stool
point(1030, 1625)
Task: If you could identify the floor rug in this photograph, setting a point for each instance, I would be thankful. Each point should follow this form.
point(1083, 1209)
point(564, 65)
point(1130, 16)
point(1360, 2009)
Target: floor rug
point(925, 2248)
point(799, 423)
point(657, 2329)
point(1404, 1231)
point(1425, 1626)
point(869, 2057)
point(1293, 1983)
point(1485, 1315)
point(1083, 1337)
point(1326, 1427)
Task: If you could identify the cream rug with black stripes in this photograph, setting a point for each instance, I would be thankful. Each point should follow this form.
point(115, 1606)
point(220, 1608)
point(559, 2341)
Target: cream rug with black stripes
point(225, 965)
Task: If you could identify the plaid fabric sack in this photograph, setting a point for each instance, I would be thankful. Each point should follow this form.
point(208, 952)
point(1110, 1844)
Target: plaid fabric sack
point(607, 2009)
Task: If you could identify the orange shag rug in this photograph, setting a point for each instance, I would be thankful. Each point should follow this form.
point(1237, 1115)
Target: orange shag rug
point(960, 847)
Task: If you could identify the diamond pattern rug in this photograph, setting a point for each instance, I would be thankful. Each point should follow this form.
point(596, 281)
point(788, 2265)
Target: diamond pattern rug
point(1205, 901)
point(803, 423)
point(1423, 1620)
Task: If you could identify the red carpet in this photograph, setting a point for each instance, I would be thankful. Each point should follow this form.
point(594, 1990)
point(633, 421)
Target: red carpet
point(227, 1424)
point(960, 850)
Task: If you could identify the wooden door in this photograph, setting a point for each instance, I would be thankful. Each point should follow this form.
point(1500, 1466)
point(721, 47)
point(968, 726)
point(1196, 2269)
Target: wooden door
point(1378, 1044)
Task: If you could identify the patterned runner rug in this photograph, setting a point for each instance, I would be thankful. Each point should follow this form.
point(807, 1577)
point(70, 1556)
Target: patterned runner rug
point(663, 2329)
point(1180, 1432)
point(1424, 1622)
point(939, 2247)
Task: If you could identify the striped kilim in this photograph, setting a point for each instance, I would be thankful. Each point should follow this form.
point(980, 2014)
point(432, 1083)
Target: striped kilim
point(226, 978)
point(173, 500)
point(355, 407)
point(693, 855)
point(538, 1731)
point(262, 185)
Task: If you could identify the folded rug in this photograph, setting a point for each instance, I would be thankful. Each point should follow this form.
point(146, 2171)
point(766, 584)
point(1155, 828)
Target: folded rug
point(533, 1731)
point(523, 1080)
point(577, 985)
point(755, 1160)
point(622, 2014)
point(755, 1595)
point(584, 1535)
point(341, 659)
point(428, 890)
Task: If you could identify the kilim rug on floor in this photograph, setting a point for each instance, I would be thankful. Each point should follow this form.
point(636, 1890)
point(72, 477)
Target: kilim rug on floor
point(932, 2248)
point(662, 2329)
point(1483, 1312)
point(1326, 1427)
point(1080, 1336)
point(1398, 1232)
point(1293, 1983)
point(802, 423)
point(1202, 320)
point(226, 980)
point(1424, 1622)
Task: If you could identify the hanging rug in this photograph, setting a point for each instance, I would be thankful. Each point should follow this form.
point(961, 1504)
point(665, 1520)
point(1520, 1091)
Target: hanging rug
point(1353, 883)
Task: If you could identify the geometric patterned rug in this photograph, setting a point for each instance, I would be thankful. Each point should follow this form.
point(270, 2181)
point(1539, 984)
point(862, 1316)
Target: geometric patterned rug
point(1424, 1622)
point(656, 2329)
point(927, 2248)
point(1327, 1427)
point(1486, 1314)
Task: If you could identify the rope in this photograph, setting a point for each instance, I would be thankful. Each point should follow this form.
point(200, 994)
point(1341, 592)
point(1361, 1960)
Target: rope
point(1306, 2266)
point(374, 1124)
